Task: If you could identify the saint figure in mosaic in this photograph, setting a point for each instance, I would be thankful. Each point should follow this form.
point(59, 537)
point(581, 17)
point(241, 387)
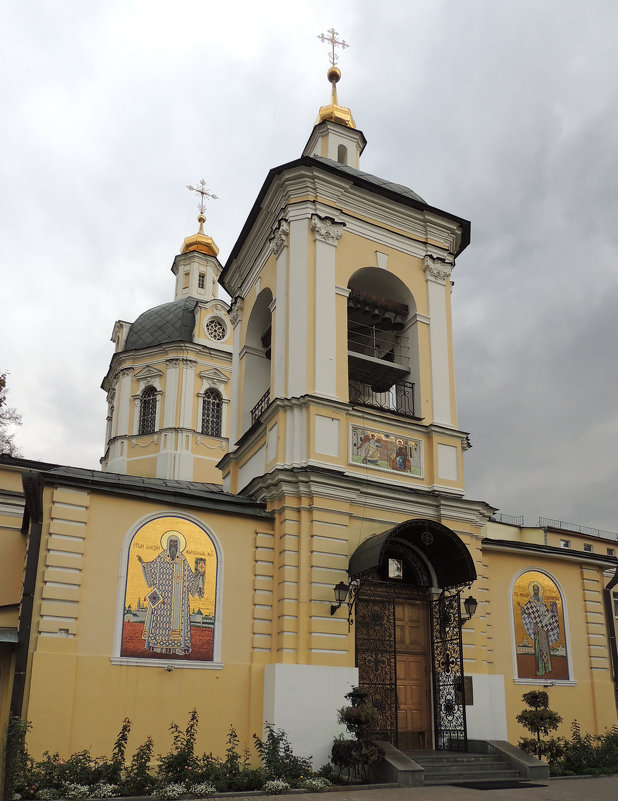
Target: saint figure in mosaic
point(542, 626)
point(167, 629)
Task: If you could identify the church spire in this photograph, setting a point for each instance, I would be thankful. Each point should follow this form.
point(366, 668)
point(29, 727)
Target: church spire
point(334, 112)
point(201, 241)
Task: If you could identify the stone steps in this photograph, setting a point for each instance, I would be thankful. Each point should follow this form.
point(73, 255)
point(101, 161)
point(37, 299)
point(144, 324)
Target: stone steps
point(450, 767)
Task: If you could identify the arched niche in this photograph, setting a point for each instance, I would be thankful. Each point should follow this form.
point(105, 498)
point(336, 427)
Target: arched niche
point(383, 342)
point(255, 358)
point(154, 578)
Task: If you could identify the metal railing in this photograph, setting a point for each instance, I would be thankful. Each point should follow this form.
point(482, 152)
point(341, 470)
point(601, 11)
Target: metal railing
point(512, 520)
point(370, 340)
point(398, 399)
point(260, 407)
point(575, 528)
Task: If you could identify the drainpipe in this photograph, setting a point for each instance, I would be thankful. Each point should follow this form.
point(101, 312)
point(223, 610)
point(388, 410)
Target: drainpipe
point(611, 630)
point(33, 490)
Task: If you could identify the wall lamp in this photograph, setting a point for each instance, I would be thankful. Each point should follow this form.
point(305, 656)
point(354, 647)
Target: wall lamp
point(345, 593)
point(470, 605)
point(341, 593)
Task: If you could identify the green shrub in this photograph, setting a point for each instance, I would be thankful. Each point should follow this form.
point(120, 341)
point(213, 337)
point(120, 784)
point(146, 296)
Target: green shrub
point(278, 758)
point(179, 765)
point(356, 758)
point(539, 719)
point(137, 779)
point(18, 764)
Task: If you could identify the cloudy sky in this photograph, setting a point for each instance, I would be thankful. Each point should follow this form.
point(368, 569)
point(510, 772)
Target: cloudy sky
point(501, 111)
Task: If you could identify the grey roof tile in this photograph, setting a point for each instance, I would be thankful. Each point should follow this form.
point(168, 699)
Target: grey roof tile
point(170, 322)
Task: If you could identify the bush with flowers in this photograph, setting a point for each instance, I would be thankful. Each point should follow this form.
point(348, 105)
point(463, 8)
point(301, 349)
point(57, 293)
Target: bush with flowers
point(179, 773)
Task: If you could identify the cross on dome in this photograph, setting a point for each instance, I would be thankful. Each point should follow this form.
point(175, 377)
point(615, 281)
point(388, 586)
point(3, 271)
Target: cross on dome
point(331, 37)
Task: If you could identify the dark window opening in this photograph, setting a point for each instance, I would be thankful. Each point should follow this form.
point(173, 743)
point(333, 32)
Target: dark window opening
point(148, 411)
point(212, 408)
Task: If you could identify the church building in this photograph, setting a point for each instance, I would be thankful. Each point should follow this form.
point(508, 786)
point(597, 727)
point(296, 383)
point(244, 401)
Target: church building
point(281, 510)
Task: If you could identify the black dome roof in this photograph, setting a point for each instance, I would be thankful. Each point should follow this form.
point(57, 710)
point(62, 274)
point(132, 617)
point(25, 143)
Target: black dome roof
point(170, 322)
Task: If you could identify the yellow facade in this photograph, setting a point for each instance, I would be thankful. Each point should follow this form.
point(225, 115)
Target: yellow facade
point(323, 401)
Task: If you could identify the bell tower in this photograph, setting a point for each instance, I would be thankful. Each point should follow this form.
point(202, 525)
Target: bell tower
point(342, 324)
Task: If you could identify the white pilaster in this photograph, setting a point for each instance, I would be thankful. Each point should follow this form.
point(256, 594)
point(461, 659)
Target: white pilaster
point(298, 291)
point(187, 393)
point(327, 234)
point(279, 245)
point(437, 272)
point(124, 401)
point(171, 393)
point(235, 320)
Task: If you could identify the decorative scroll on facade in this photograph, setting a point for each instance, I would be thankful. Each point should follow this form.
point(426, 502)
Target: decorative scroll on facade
point(540, 636)
point(448, 684)
point(169, 602)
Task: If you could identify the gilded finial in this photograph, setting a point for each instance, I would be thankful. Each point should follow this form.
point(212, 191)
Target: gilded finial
point(334, 112)
point(201, 241)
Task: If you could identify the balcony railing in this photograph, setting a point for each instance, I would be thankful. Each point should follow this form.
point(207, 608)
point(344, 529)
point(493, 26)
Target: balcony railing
point(260, 407)
point(399, 399)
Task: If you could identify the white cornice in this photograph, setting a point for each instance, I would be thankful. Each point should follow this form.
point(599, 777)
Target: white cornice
point(339, 196)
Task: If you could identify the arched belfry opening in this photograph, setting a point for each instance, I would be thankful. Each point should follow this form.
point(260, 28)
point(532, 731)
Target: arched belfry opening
point(408, 632)
point(383, 360)
point(256, 355)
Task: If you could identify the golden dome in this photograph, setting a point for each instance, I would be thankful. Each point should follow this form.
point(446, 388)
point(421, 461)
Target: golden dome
point(334, 112)
point(200, 241)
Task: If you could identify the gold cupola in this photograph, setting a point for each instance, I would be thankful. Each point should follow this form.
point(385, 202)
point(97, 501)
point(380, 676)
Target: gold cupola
point(200, 241)
point(334, 112)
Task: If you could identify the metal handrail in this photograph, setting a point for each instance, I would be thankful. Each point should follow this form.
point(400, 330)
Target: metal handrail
point(399, 399)
point(260, 407)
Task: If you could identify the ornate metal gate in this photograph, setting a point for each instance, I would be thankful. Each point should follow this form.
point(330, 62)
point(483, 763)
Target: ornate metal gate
point(448, 684)
point(376, 658)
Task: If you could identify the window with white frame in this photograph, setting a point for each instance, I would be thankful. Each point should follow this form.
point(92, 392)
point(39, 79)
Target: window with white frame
point(212, 407)
point(148, 411)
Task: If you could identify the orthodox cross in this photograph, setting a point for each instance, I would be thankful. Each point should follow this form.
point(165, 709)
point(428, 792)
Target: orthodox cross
point(331, 37)
point(203, 192)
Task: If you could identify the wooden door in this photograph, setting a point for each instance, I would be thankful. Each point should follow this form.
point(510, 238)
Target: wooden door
point(412, 649)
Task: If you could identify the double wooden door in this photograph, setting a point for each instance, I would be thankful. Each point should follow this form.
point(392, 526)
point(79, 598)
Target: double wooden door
point(412, 649)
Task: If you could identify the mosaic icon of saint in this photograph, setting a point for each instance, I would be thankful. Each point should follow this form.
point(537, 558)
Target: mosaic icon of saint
point(168, 625)
point(541, 625)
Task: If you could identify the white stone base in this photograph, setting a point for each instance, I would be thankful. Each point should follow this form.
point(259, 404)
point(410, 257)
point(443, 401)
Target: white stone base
point(303, 701)
point(486, 717)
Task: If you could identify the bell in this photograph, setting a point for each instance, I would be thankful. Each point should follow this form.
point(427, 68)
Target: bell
point(398, 323)
point(375, 314)
point(386, 323)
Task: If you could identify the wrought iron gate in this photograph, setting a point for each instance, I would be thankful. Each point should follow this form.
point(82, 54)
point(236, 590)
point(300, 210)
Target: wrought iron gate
point(448, 684)
point(376, 658)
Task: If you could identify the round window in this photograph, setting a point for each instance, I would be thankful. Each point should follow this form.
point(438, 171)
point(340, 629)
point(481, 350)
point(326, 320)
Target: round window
point(215, 328)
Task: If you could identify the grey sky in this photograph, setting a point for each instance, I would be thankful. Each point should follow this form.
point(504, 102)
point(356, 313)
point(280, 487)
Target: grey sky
point(505, 113)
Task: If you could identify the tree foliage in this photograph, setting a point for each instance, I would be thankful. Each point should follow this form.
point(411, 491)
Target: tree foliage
point(539, 719)
point(8, 417)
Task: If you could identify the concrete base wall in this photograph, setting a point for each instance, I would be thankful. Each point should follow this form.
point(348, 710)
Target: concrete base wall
point(303, 701)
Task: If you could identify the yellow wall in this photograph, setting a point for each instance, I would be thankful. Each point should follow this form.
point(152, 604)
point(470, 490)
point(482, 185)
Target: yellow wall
point(73, 682)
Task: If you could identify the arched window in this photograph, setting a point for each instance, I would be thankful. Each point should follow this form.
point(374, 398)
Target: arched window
point(212, 407)
point(342, 154)
point(148, 411)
